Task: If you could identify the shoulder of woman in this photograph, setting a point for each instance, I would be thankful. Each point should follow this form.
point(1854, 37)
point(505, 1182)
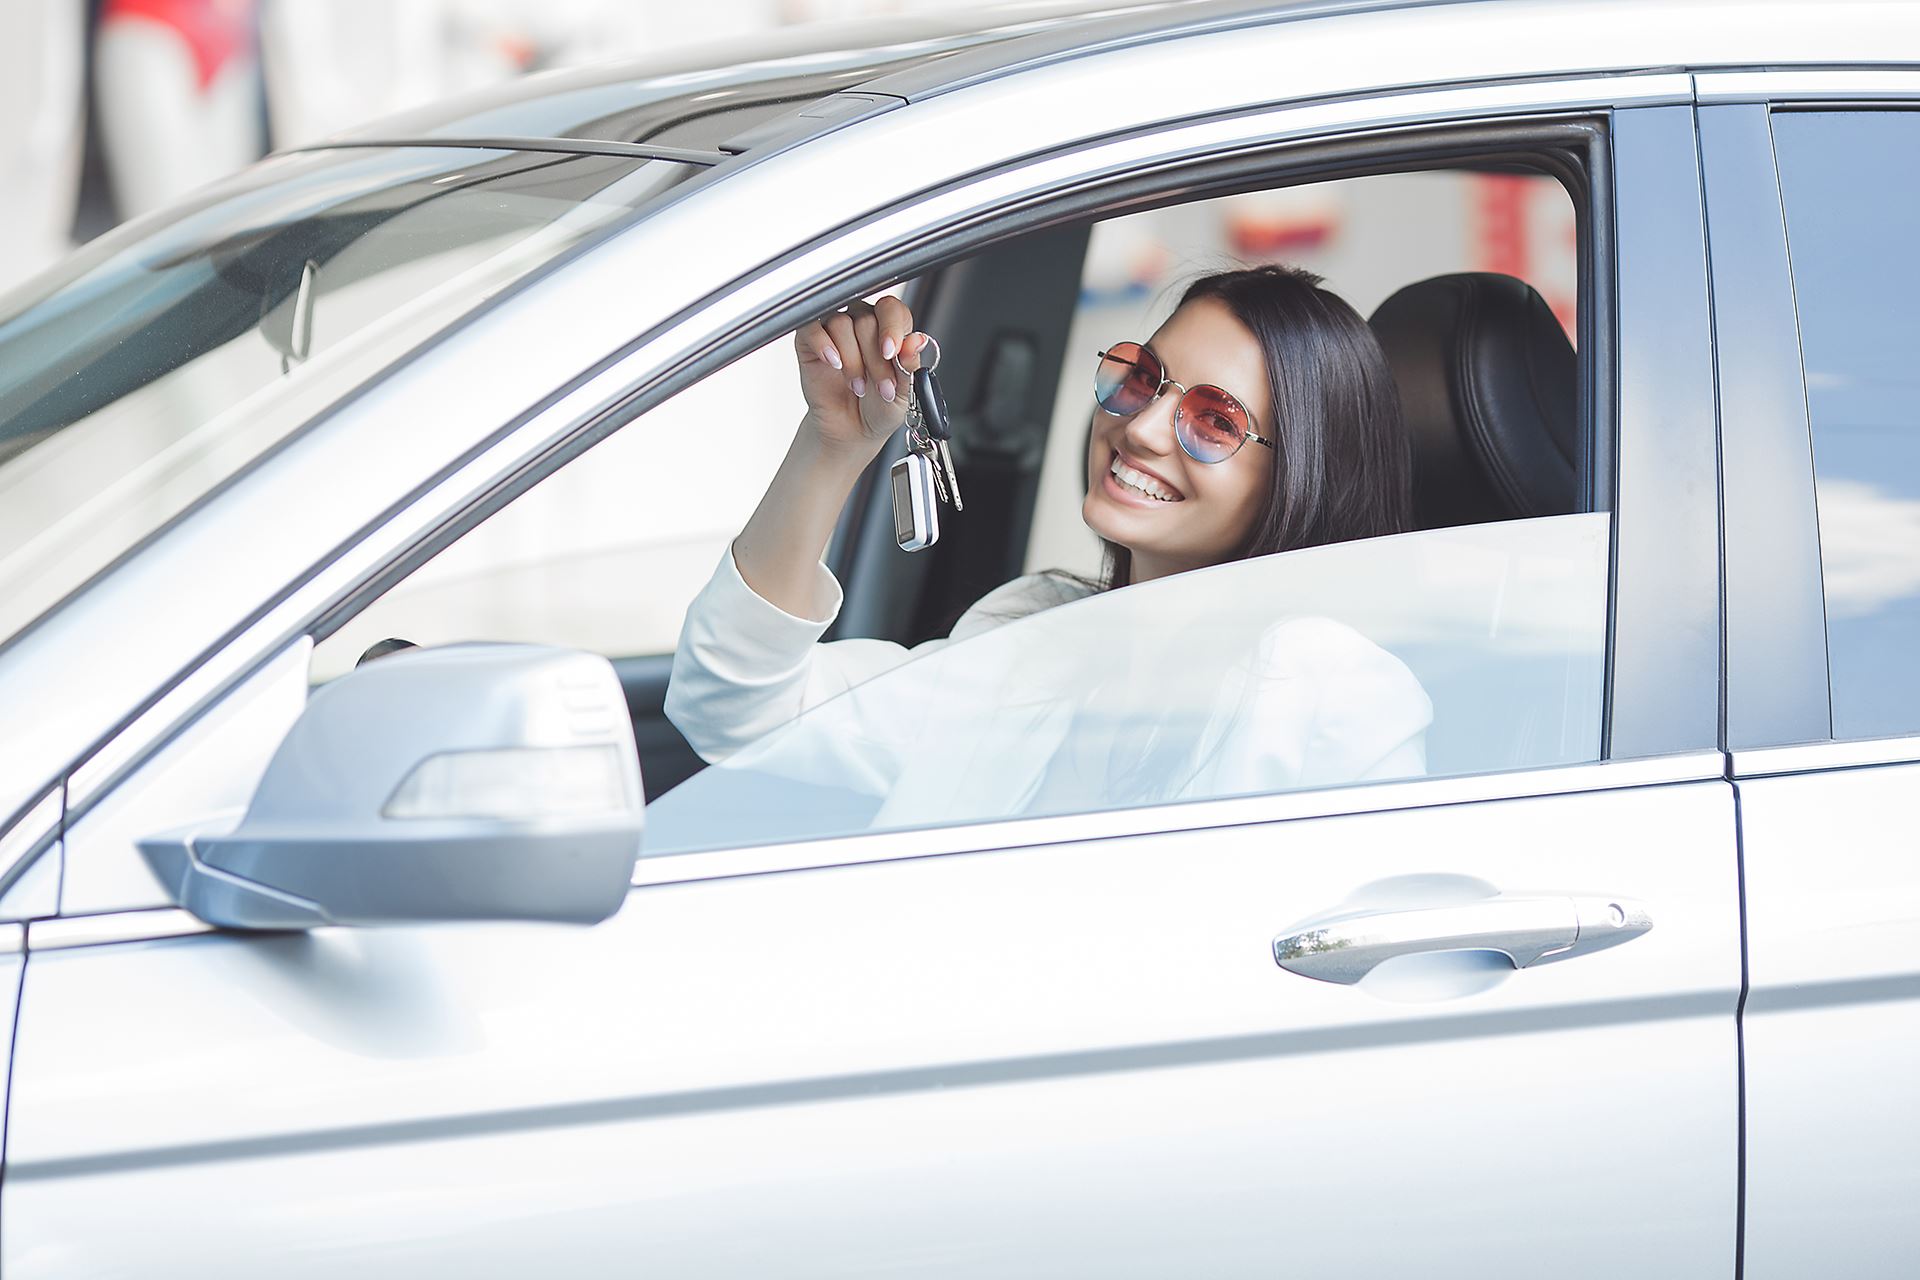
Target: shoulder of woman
point(1025, 595)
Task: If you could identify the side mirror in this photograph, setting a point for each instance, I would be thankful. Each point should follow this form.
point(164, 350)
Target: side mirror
point(471, 782)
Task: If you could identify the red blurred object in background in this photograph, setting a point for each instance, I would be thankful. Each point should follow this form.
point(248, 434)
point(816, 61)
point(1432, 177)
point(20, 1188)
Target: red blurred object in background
point(214, 31)
point(1504, 232)
point(178, 94)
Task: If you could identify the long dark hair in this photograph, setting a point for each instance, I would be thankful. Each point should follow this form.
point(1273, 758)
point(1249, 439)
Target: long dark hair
point(1343, 468)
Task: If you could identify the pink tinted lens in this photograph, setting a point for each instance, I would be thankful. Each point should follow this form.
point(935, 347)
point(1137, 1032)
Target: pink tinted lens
point(1210, 424)
point(1128, 378)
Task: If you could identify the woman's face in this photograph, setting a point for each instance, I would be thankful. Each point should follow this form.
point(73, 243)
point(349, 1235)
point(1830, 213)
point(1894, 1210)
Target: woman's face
point(1144, 492)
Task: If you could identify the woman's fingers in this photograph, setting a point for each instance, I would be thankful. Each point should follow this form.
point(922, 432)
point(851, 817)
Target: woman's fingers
point(880, 377)
point(895, 323)
point(812, 343)
point(911, 348)
point(862, 341)
point(840, 331)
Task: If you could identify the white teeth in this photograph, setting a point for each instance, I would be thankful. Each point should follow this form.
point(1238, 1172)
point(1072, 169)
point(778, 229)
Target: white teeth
point(1141, 482)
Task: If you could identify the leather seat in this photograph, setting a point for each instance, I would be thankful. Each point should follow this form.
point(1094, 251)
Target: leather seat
point(1489, 385)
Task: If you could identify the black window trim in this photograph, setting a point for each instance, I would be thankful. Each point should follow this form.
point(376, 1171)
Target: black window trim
point(1776, 642)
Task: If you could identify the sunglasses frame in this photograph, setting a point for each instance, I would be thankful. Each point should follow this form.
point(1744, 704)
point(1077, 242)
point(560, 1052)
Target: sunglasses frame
point(1247, 433)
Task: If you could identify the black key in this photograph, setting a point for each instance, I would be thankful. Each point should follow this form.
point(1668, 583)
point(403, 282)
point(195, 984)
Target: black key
point(933, 405)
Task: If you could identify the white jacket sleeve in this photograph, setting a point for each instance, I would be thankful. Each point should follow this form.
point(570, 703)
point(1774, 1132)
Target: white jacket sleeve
point(744, 666)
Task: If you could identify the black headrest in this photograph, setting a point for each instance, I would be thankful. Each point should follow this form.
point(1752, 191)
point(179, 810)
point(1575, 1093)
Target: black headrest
point(1489, 383)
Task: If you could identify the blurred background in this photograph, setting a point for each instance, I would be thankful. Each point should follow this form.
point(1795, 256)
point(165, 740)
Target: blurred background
point(112, 108)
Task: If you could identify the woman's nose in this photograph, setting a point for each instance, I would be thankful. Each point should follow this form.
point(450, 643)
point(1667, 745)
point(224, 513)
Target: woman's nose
point(1150, 431)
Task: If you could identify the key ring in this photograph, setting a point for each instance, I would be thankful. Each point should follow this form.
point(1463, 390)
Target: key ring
point(933, 345)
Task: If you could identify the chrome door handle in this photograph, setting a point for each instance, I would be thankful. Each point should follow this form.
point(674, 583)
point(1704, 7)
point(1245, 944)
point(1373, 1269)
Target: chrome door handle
point(1525, 929)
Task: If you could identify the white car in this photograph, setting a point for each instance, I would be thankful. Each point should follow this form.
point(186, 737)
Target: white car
point(295, 955)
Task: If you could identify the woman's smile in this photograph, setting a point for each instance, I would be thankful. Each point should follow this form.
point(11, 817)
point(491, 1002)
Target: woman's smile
point(1133, 482)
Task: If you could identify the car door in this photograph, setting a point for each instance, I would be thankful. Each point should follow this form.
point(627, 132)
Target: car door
point(31, 849)
point(1816, 335)
point(1025, 1045)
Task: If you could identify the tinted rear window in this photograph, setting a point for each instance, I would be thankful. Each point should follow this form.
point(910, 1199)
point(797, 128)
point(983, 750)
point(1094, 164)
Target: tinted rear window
point(1851, 188)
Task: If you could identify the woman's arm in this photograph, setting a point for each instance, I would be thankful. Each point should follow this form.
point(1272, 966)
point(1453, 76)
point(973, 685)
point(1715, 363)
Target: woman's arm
point(748, 660)
point(854, 403)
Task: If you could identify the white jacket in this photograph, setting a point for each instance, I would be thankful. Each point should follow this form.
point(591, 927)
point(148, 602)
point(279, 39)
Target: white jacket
point(1083, 708)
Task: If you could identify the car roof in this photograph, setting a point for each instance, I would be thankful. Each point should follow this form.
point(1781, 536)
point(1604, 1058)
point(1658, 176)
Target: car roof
point(706, 102)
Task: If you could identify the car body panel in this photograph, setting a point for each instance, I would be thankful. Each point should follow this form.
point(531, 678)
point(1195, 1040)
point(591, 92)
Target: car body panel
point(1832, 1016)
point(1086, 1045)
point(13, 967)
point(1831, 869)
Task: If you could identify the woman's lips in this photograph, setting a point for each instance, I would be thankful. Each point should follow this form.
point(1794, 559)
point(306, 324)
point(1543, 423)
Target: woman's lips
point(1122, 492)
point(1172, 488)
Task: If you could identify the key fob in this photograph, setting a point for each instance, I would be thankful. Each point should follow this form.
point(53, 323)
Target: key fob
point(933, 405)
point(916, 511)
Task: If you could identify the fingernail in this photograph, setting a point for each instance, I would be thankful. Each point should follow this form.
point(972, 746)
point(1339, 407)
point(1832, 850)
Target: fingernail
point(886, 390)
point(832, 356)
point(887, 347)
point(860, 386)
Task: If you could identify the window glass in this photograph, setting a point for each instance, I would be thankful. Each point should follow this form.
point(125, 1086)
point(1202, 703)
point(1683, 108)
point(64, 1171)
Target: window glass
point(1850, 193)
point(606, 553)
point(164, 357)
point(1457, 651)
point(1453, 651)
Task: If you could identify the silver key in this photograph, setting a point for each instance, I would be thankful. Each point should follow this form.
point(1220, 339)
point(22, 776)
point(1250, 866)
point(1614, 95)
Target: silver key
point(918, 442)
point(920, 438)
point(945, 480)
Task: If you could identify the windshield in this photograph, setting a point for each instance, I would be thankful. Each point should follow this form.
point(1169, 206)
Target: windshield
point(160, 360)
point(1452, 651)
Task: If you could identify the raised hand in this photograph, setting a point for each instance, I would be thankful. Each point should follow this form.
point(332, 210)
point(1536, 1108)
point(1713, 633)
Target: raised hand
point(855, 400)
point(855, 397)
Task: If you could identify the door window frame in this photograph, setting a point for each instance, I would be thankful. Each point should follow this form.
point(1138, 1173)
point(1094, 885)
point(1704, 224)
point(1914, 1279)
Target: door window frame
point(1119, 175)
point(1778, 703)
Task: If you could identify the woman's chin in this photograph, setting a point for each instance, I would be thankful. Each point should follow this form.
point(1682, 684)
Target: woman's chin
point(1122, 522)
point(1097, 514)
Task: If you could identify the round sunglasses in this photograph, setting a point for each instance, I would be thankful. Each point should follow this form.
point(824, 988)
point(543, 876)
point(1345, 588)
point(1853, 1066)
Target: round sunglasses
point(1208, 422)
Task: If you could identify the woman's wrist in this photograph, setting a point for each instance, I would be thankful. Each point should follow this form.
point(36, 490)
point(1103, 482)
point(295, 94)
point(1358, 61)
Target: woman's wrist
point(843, 452)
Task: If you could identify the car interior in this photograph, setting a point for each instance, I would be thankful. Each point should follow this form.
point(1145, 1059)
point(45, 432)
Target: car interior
point(1500, 408)
point(1489, 382)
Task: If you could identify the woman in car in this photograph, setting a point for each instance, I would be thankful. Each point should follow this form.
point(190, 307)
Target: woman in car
point(1261, 417)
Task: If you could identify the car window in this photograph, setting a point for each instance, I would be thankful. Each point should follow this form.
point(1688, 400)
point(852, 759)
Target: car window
point(1467, 650)
point(1849, 197)
point(1441, 652)
point(606, 553)
point(207, 335)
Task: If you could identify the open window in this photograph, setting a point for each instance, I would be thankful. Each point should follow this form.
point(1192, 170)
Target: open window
point(1472, 254)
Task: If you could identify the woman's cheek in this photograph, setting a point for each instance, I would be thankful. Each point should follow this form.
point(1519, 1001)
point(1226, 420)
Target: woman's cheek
point(1239, 508)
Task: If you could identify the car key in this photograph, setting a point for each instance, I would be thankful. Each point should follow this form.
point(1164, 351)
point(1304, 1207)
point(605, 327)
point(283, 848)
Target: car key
point(933, 412)
point(918, 487)
point(927, 400)
point(921, 442)
point(916, 507)
point(925, 477)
